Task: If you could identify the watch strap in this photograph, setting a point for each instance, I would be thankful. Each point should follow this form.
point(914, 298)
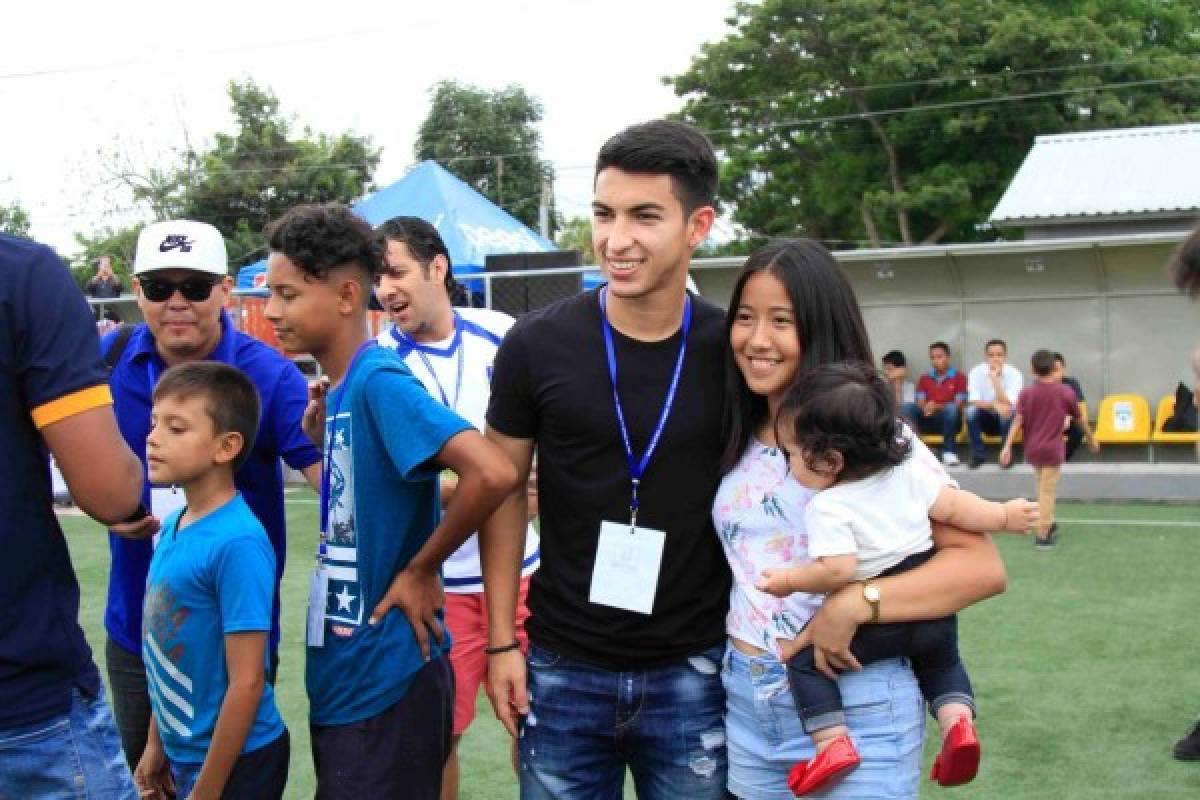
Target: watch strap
point(871, 595)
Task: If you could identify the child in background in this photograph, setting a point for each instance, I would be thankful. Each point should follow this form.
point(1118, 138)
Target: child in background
point(1041, 410)
point(870, 518)
point(380, 687)
point(215, 730)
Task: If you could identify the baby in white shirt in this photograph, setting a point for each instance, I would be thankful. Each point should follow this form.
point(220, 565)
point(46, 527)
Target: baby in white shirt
point(871, 518)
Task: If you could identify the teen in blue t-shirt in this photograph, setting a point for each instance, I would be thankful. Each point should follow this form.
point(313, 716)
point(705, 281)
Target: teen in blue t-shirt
point(383, 433)
point(208, 599)
point(381, 692)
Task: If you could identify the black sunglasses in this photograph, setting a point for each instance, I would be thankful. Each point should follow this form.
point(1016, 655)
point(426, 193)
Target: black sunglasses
point(195, 290)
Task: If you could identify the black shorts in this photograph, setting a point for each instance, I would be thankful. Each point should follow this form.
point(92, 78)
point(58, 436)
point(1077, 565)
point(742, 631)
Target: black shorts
point(398, 753)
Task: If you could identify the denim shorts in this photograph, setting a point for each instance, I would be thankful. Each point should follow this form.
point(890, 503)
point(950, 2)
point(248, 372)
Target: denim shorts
point(75, 755)
point(884, 710)
point(587, 724)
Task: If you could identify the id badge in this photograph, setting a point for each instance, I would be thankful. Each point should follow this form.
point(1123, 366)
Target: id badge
point(628, 559)
point(318, 597)
point(164, 502)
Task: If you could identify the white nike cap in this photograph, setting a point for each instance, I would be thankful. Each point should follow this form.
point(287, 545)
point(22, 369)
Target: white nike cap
point(180, 244)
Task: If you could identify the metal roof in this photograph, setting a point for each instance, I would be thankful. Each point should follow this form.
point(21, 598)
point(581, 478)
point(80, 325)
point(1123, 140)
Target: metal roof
point(1070, 177)
point(961, 250)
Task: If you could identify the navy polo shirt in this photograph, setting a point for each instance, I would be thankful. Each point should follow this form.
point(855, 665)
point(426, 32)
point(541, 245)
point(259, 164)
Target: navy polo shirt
point(49, 371)
point(284, 394)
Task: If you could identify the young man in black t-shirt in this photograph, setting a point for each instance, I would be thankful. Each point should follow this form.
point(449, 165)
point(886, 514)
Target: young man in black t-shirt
point(627, 611)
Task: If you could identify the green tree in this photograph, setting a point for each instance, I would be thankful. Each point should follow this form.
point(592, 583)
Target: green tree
point(490, 140)
point(14, 220)
point(903, 121)
point(576, 234)
point(250, 176)
point(253, 175)
point(118, 244)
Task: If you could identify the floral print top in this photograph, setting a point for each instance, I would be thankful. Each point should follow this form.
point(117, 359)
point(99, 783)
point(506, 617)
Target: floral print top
point(759, 515)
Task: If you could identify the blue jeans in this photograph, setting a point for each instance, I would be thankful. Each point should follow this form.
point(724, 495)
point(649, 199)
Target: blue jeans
point(75, 755)
point(984, 420)
point(947, 421)
point(587, 724)
point(883, 709)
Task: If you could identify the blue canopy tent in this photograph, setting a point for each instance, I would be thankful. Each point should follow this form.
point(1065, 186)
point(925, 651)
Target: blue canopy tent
point(472, 226)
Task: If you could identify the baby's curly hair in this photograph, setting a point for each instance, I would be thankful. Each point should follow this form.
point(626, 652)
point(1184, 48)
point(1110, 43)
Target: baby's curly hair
point(848, 408)
point(319, 237)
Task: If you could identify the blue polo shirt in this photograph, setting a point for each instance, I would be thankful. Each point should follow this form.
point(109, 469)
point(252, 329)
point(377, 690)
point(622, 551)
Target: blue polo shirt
point(284, 394)
point(49, 371)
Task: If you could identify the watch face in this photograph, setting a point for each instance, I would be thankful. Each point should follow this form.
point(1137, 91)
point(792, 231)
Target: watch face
point(871, 593)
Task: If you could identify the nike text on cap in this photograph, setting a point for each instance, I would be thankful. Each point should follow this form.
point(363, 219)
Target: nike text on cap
point(180, 244)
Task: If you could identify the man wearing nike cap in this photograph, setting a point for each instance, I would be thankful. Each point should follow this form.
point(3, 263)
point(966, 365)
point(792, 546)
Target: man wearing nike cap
point(181, 282)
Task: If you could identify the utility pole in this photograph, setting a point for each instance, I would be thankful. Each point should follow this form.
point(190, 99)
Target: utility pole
point(500, 181)
point(544, 210)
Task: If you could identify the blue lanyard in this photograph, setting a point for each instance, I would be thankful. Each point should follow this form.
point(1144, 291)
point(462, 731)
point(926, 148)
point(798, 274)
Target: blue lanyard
point(455, 346)
point(637, 468)
point(327, 459)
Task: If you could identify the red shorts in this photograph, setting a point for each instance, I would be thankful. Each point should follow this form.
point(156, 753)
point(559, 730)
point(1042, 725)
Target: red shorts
point(467, 620)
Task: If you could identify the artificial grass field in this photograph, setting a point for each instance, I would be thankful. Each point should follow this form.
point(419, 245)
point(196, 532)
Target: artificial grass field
point(1086, 670)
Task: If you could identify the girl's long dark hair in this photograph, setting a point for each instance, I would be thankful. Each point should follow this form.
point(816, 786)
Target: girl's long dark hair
point(828, 322)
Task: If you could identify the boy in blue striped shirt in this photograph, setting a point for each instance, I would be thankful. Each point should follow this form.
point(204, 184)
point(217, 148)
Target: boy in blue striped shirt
point(215, 731)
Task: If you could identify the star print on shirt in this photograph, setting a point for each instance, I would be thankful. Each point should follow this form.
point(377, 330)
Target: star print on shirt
point(344, 599)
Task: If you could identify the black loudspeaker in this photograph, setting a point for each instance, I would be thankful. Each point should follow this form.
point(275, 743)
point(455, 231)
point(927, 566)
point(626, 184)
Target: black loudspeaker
point(516, 296)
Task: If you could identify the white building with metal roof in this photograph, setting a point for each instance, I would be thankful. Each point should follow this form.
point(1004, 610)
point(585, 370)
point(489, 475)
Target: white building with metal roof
point(1128, 180)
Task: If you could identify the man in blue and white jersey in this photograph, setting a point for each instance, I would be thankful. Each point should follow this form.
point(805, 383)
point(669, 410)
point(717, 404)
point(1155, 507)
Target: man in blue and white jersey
point(450, 350)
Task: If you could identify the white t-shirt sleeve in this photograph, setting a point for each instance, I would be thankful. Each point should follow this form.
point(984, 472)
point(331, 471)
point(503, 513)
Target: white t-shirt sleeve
point(1013, 383)
point(977, 388)
point(923, 461)
point(924, 483)
point(830, 527)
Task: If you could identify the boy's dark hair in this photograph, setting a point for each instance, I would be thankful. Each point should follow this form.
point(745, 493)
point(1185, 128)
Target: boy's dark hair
point(845, 407)
point(423, 241)
point(1185, 265)
point(319, 237)
point(991, 342)
point(894, 358)
point(944, 347)
point(1058, 358)
point(230, 399)
point(666, 147)
point(1043, 363)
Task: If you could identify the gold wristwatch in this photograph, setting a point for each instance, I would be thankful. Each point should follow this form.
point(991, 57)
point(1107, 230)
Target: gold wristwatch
point(871, 594)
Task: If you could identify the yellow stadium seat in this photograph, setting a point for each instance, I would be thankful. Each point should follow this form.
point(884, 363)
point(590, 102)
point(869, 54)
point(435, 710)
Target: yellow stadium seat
point(935, 439)
point(991, 438)
point(1123, 419)
point(1166, 407)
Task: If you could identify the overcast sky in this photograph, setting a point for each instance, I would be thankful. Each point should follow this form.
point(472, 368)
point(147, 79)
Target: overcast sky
point(138, 77)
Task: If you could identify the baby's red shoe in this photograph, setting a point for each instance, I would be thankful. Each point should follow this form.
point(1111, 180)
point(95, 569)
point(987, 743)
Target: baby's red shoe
point(959, 760)
point(828, 766)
